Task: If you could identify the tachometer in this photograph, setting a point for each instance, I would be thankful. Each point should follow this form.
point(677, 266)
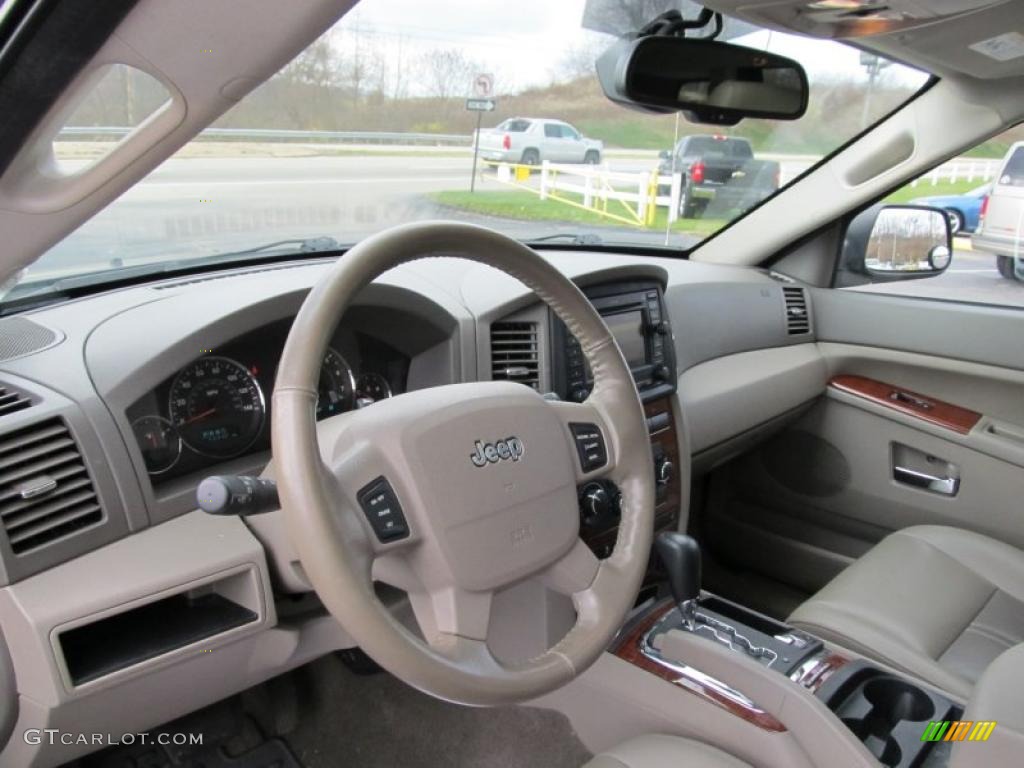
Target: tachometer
point(336, 391)
point(158, 441)
point(217, 407)
point(371, 387)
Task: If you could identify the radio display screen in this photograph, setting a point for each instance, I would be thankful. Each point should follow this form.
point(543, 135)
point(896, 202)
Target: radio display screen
point(628, 330)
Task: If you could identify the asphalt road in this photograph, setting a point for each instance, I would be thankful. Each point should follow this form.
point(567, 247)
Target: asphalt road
point(201, 206)
point(972, 276)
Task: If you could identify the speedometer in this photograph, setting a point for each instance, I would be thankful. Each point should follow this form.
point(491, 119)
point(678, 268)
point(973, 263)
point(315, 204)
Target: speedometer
point(336, 391)
point(217, 407)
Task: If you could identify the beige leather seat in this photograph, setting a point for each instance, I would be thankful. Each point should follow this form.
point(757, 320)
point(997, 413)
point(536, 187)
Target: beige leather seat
point(659, 751)
point(999, 698)
point(938, 603)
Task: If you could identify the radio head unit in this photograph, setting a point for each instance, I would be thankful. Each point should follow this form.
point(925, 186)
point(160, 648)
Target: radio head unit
point(634, 313)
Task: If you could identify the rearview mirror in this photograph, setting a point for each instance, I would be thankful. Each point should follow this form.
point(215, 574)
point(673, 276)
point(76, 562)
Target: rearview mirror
point(709, 81)
point(886, 243)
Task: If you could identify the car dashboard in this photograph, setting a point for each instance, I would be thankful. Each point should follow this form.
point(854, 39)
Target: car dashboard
point(124, 401)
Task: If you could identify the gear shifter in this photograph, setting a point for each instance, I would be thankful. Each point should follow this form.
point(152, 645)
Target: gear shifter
point(681, 555)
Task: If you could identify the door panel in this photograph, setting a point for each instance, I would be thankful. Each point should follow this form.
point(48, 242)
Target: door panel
point(805, 504)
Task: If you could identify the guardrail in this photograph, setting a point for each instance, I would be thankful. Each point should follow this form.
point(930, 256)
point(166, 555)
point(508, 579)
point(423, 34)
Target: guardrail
point(273, 134)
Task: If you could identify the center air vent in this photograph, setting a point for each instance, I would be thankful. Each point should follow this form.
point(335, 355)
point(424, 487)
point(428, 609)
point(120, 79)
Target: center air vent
point(11, 401)
point(45, 489)
point(798, 320)
point(515, 355)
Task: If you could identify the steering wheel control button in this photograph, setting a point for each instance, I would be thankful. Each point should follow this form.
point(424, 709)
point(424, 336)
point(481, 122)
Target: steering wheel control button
point(382, 510)
point(590, 446)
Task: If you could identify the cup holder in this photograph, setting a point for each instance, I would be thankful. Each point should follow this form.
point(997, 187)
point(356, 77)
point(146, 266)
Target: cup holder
point(893, 700)
point(886, 750)
point(888, 715)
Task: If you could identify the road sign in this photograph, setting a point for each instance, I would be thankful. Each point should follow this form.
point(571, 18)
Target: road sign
point(483, 86)
point(481, 105)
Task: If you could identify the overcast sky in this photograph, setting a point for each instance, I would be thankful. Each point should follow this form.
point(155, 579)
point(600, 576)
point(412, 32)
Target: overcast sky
point(524, 41)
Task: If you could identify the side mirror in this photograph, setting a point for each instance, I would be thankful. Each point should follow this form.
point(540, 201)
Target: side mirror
point(708, 81)
point(886, 243)
point(664, 155)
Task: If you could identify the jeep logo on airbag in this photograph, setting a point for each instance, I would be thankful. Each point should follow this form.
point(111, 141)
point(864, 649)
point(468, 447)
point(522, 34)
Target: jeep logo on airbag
point(500, 450)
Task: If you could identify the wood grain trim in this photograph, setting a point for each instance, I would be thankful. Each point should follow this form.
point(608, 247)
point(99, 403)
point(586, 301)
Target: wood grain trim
point(813, 678)
point(942, 414)
point(828, 666)
point(628, 649)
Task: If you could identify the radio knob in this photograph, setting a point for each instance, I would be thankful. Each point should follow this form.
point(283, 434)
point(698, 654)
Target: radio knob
point(664, 470)
point(579, 395)
point(660, 328)
point(662, 373)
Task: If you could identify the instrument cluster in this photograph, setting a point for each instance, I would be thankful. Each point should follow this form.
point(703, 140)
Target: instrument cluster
point(216, 407)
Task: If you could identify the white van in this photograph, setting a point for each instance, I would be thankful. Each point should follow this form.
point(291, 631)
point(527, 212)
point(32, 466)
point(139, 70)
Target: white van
point(1001, 226)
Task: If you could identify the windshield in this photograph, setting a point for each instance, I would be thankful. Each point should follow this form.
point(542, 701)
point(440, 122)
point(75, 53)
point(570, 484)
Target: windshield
point(485, 111)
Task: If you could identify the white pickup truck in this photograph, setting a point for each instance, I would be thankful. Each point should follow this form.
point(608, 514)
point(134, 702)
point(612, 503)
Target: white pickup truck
point(530, 141)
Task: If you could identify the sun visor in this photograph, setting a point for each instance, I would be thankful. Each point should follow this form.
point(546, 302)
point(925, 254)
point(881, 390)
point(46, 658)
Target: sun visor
point(851, 18)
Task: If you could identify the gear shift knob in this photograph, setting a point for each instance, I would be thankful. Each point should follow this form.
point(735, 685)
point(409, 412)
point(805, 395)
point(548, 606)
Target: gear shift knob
point(681, 555)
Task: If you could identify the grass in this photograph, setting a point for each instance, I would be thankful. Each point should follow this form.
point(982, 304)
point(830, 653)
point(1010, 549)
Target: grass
point(925, 189)
point(526, 206)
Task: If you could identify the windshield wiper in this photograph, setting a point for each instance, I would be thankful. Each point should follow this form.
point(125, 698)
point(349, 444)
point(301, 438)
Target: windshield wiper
point(44, 291)
point(305, 245)
point(576, 238)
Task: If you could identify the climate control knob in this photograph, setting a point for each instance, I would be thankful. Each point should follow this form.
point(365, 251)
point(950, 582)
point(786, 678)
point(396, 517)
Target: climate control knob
point(662, 373)
point(579, 395)
point(664, 470)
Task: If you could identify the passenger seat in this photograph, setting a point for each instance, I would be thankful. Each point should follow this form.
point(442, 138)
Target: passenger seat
point(935, 602)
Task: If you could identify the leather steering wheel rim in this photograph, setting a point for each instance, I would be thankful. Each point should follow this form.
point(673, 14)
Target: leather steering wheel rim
point(320, 468)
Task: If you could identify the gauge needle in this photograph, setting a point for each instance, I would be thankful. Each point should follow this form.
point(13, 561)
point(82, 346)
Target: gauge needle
point(198, 416)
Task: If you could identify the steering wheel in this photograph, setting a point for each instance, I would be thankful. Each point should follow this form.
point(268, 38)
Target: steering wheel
point(455, 492)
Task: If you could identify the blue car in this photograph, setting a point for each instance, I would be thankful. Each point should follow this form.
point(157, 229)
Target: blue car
point(962, 209)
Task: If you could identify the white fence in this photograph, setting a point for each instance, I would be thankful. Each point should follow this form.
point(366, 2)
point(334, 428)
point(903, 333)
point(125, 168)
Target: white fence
point(628, 196)
point(961, 169)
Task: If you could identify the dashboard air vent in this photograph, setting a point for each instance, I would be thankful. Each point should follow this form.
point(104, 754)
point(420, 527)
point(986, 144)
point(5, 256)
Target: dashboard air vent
point(515, 353)
point(11, 400)
point(798, 320)
point(45, 489)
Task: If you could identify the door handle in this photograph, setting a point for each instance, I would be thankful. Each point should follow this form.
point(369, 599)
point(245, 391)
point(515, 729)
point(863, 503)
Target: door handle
point(947, 486)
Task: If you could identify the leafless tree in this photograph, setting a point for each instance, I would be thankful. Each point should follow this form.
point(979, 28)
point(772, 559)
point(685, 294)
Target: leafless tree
point(447, 73)
point(578, 60)
point(317, 65)
point(624, 16)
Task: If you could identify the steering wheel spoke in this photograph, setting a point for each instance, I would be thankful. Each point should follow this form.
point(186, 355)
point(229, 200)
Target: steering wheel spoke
point(572, 573)
point(451, 612)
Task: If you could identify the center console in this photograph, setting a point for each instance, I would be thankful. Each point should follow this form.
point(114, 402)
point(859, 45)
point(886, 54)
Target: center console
point(635, 314)
point(890, 714)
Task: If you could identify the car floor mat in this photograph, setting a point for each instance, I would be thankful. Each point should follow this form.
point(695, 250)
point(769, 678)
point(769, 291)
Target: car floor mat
point(231, 739)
